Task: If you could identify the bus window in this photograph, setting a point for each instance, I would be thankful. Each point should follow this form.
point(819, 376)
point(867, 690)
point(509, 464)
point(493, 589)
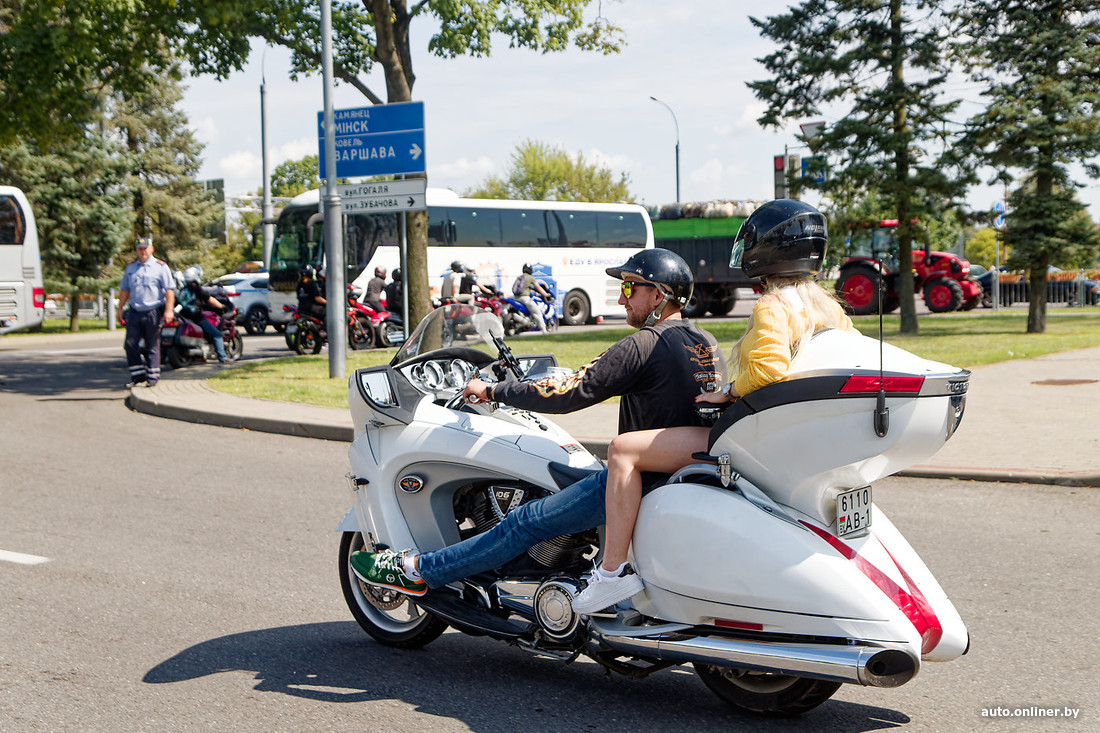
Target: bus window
point(364, 235)
point(523, 229)
point(12, 225)
point(620, 230)
point(580, 228)
point(437, 227)
point(475, 227)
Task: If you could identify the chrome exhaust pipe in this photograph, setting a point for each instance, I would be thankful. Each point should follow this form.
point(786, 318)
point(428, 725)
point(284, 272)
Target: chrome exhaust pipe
point(859, 664)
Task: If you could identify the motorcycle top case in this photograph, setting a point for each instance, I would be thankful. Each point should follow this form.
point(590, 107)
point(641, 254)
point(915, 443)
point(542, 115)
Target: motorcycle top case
point(806, 439)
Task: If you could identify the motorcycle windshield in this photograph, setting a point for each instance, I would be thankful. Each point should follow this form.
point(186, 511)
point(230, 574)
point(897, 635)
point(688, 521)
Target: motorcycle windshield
point(457, 324)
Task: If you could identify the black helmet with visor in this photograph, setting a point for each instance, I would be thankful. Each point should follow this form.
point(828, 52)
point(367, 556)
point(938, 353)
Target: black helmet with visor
point(782, 238)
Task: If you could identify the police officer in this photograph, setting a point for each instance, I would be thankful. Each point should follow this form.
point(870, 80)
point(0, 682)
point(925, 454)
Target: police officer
point(147, 285)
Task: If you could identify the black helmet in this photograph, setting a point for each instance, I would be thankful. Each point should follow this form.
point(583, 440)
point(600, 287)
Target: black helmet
point(457, 266)
point(308, 271)
point(662, 267)
point(396, 273)
point(526, 269)
point(782, 238)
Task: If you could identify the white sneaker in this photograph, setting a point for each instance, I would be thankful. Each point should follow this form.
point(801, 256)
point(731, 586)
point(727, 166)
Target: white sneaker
point(603, 592)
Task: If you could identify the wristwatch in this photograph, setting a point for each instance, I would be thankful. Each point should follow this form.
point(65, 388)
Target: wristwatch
point(726, 391)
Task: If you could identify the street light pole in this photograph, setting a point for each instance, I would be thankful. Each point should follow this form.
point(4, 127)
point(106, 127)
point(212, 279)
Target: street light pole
point(677, 126)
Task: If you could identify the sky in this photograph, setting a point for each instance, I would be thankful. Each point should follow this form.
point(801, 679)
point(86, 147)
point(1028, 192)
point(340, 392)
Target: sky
point(695, 56)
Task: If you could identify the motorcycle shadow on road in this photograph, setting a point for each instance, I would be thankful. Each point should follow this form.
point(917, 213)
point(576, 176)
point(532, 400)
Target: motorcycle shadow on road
point(484, 687)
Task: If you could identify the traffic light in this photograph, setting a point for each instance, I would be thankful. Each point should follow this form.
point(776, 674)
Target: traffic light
point(780, 163)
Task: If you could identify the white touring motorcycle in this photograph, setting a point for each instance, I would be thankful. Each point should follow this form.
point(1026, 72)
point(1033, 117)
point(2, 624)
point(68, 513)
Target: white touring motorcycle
point(807, 585)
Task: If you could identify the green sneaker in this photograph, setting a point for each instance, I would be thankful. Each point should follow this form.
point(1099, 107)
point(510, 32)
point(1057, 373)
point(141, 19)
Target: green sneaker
point(384, 570)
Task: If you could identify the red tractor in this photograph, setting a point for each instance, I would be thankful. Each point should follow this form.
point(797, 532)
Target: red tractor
point(942, 278)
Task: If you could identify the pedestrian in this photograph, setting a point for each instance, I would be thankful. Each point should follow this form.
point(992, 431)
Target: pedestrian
point(783, 242)
point(657, 371)
point(150, 290)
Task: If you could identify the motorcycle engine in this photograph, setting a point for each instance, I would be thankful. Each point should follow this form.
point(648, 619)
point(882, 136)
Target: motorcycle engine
point(487, 506)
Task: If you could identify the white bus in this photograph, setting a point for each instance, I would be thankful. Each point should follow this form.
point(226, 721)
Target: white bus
point(567, 244)
point(22, 296)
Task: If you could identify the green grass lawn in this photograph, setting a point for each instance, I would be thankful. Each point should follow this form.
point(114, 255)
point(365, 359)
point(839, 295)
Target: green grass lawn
point(962, 340)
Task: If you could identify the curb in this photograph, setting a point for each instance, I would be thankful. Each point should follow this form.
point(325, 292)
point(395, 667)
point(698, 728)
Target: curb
point(145, 401)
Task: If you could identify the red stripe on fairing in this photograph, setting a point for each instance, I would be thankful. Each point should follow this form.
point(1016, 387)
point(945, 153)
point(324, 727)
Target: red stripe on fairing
point(910, 602)
point(738, 624)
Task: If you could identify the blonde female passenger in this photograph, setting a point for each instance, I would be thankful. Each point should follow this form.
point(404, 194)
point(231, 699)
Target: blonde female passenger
point(783, 242)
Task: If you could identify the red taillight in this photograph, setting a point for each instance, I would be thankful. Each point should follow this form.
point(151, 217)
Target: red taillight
point(869, 383)
point(39, 297)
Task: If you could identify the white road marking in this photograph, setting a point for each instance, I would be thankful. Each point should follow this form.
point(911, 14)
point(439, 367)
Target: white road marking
point(21, 559)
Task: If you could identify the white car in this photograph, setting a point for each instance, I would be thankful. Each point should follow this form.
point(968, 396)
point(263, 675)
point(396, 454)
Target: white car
point(250, 293)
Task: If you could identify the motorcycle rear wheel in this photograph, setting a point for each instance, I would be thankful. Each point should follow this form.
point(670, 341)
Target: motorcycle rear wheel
point(392, 618)
point(173, 354)
point(360, 334)
point(777, 695)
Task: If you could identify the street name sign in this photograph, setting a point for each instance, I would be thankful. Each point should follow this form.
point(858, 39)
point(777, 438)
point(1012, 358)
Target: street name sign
point(386, 139)
point(383, 197)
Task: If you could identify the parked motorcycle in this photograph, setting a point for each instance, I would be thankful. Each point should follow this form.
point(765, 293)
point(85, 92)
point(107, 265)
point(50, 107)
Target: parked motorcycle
point(766, 564)
point(184, 341)
point(368, 328)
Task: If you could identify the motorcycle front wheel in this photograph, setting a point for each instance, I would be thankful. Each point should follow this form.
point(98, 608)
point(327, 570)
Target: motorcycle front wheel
point(392, 618)
point(234, 347)
point(307, 340)
point(777, 695)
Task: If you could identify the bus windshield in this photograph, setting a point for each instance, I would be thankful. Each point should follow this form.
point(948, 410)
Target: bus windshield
point(568, 245)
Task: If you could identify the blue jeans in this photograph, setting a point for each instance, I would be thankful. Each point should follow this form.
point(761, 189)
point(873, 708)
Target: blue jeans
point(215, 335)
point(573, 509)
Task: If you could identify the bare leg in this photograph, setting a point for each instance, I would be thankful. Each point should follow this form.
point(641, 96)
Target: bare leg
point(629, 454)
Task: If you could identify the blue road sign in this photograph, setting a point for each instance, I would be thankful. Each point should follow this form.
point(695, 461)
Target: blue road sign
point(385, 139)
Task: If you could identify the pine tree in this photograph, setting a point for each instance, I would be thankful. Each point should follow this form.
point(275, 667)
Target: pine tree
point(167, 203)
point(881, 64)
point(1039, 59)
point(81, 209)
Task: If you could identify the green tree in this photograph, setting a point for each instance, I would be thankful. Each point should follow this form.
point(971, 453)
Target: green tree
point(167, 203)
point(1038, 59)
point(540, 172)
point(82, 210)
point(128, 38)
point(293, 177)
point(981, 249)
point(883, 64)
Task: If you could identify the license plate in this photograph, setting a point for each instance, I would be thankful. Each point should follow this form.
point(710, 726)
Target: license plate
point(853, 511)
point(291, 329)
point(168, 332)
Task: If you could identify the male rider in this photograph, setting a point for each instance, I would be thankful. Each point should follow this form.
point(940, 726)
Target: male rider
point(469, 287)
point(657, 371)
point(197, 299)
point(524, 285)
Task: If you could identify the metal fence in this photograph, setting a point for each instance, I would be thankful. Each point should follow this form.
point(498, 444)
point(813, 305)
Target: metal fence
point(1078, 288)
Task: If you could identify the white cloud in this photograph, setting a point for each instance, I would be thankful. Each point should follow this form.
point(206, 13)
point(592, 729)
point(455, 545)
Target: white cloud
point(206, 130)
point(461, 173)
point(708, 177)
point(242, 172)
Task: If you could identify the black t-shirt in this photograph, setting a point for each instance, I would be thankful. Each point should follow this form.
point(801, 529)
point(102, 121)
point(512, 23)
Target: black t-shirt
point(308, 291)
point(393, 296)
point(657, 371)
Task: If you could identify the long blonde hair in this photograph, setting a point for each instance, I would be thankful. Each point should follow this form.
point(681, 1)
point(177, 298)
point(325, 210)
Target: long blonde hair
point(822, 308)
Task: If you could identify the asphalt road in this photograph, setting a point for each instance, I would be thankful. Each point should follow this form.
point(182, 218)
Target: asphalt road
point(189, 582)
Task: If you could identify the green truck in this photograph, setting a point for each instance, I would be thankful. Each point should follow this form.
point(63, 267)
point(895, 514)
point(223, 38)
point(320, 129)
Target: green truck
point(703, 235)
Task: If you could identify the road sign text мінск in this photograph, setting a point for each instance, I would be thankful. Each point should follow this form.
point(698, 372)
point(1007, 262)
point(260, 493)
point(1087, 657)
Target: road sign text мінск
point(385, 139)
